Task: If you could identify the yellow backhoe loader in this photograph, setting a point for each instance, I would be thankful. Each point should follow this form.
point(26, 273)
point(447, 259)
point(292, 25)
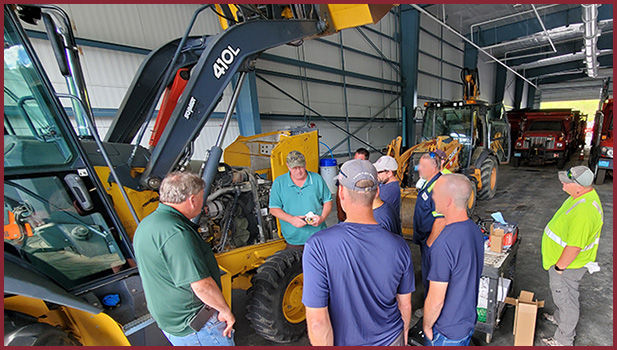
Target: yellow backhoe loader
point(72, 200)
point(474, 135)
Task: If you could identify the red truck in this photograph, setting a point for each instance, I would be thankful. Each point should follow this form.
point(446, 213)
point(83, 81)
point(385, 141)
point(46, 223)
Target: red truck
point(515, 117)
point(549, 135)
point(601, 154)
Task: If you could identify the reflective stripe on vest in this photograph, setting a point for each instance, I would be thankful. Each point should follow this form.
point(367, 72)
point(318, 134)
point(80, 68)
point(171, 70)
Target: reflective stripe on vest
point(596, 240)
point(550, 234)
point(595, 204)
point(554, 237)
point(430, 188)
point(582, 200)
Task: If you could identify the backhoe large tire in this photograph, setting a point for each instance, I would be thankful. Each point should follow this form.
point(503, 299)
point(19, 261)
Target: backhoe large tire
point(24, 330)
point(275, 307)
point(488, 173)
point(471, 204)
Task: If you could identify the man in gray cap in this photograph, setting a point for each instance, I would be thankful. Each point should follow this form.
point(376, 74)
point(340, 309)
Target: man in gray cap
point(358, 277)
point(569, 247)
point(301, 201)
point(389, 187)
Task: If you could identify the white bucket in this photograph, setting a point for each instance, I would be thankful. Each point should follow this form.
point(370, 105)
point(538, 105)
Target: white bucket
point(328, 170)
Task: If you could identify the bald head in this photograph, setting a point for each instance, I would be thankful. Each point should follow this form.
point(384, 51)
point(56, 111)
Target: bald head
point(451, 191)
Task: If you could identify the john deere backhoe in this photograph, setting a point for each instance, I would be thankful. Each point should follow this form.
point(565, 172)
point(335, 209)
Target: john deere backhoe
point(474, 135)
point(72, 200)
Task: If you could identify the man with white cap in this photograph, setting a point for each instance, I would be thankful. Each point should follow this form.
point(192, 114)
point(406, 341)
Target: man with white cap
point(358, 277)
point(389, 187)
point(569, 247)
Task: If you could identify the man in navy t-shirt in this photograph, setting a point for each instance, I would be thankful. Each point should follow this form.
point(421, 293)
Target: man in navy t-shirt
point(389, 187)
point(386, 216)
point(456, 258)
point(426, 220)
point(358, 277)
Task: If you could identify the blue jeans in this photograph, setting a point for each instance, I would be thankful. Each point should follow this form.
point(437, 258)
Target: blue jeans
point(440, 340)
point(211, 334)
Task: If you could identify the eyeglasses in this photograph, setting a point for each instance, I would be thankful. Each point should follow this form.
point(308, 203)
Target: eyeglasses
point(432, 154)
point(571, 177)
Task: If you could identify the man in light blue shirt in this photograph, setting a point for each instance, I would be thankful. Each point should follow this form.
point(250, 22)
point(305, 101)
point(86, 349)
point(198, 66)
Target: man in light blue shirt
point(296, 194)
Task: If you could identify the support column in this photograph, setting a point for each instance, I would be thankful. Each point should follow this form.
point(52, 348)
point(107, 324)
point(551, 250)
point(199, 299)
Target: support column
point(410, 38)
point(518, 92)
point(470, 59)
point(247, 108)
point(500, 83)
point(531, 94)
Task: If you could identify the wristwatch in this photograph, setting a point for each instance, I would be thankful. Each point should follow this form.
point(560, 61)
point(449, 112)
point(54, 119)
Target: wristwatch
point(558, 269)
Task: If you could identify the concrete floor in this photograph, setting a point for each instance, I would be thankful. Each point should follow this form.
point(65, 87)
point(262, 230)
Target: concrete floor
point(529, 196)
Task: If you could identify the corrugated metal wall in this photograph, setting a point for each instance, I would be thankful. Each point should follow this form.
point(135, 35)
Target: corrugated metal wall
point(486, 70)
point(108, 73)
point(139, 25)
point(509, 91)
point(430, 67)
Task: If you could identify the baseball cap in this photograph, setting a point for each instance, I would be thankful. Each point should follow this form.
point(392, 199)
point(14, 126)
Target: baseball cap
point(295, 158)
point(581, 175)
point(386, 163)
point(356, 170)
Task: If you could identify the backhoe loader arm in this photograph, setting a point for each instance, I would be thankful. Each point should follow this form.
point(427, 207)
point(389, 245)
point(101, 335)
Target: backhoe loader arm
point(232, 51)
point(143, 91)
point(227, 53)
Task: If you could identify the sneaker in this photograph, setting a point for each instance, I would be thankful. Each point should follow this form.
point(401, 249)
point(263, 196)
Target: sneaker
point(551, 342)
point(419, 313)
point(549, 318)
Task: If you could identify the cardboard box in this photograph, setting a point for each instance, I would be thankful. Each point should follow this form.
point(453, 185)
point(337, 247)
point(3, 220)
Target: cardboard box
point(496, 240)
point(525, 318)
point(504, 234)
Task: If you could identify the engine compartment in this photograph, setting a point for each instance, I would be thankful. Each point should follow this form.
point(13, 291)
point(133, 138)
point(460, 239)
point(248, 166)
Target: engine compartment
point(236, 210)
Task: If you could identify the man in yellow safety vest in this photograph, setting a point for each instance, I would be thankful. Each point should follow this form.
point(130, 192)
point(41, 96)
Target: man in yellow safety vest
point(569, 248)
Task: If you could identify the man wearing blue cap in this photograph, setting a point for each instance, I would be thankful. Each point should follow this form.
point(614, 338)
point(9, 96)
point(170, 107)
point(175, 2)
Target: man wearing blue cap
point(358, 277)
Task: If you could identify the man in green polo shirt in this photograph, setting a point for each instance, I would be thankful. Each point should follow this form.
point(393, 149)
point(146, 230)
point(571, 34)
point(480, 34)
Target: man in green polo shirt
point(179, 272)
point(569, 247)
point(296, 194)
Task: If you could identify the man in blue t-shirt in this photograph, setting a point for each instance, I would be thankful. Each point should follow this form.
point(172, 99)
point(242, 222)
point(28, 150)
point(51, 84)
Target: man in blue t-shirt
point(358, 277)
point(456, 258)
point(389, 187)
point(386, 216)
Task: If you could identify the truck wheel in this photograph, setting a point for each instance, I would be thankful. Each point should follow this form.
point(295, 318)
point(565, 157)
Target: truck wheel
point(488, 173)
point(275, 307)
point(516, 162)
point(561, 163)
point(600, 176)
point(23, 330)
point(471, 204)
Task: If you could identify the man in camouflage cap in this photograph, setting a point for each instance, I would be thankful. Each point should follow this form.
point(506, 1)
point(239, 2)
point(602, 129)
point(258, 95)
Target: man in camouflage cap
point(301, 201)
